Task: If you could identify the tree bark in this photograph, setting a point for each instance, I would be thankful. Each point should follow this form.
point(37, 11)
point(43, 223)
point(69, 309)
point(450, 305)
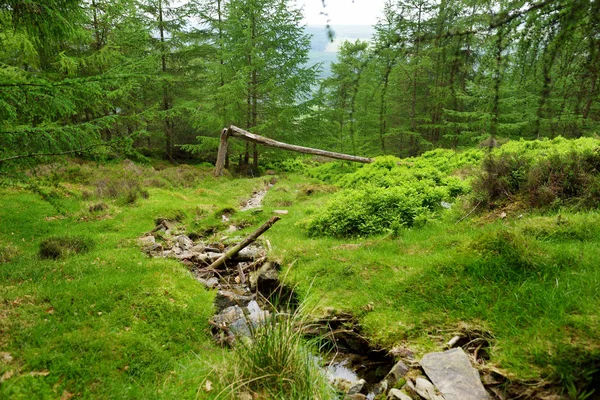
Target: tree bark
point(247, 241)
point(222, 155)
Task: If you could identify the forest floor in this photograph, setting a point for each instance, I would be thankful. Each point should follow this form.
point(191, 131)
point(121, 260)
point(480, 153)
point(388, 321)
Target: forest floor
point(109, 322)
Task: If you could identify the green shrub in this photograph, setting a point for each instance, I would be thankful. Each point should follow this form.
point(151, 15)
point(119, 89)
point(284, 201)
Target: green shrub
point(363, 212)
point(542, 173)
point(61, 246)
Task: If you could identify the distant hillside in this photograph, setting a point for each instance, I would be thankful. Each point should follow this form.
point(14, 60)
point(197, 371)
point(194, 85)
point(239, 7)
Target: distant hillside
point(325, 51)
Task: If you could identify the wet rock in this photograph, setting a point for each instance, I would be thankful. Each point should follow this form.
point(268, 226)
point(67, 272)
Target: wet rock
point(396, 394)
point(154, 249)
point(228, 316)
point(265, 280)
point(209, 283)
point(184, 242)
point(453, 375)
point(426, 390)
point(226, 298)
point(250, 253)
point(398, 371)
point(357, 387)
point(146, 241)
point(199, 248)
point(240, 328)
point(185, 255)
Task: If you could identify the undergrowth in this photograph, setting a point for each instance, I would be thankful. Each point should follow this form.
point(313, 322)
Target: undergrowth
point(278, 363)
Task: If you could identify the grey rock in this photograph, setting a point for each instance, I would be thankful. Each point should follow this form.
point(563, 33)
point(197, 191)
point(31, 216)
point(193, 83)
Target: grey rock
point(185, 255)
point(357, 387)
point(240, 328)
point(250, 253)
point(226, 298)
point(266, 279)
point(396, 394)
point(154, 248)
point(177, 250)
point(210, 283)
point(452, 373)
point(184, 242)
point(426, 390)
point(398, 371)
point(228, 316)
point(199, 248)
point(253, 307)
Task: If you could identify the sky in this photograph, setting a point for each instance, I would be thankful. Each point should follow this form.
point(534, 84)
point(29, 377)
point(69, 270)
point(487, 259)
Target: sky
point(341, 12)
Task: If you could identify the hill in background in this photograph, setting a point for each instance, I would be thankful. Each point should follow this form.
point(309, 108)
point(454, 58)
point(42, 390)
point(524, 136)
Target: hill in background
point(325, 51)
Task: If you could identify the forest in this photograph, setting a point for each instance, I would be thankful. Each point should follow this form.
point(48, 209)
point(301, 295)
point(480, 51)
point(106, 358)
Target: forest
point(457, 261)
point(163, 79)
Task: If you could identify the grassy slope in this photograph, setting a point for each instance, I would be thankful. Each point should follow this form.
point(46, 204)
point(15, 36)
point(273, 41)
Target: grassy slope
point(111, 323)
point(151, 339)
point(428, 283)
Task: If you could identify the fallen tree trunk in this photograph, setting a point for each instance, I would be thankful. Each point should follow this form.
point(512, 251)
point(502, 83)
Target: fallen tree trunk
point(253, 138)
point(247, 241)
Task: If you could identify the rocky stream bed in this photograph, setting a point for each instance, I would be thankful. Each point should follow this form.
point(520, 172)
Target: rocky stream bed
point(247, 287)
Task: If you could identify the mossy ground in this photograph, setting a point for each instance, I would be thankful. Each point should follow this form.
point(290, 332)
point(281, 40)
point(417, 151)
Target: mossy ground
point(113, 323)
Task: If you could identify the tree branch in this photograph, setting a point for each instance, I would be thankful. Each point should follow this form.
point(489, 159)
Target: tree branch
point(82, 150)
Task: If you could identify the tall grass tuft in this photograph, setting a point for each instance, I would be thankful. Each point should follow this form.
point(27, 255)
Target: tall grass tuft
point(279, 363)
point(60, 246)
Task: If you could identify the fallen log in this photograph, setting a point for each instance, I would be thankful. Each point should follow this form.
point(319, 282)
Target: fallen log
point(234, 131)
point(247, 241)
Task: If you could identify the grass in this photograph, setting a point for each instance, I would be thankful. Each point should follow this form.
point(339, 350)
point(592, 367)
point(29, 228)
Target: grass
point(278, 363)
point(532, 282)
point(109, 323)
point(112, 323)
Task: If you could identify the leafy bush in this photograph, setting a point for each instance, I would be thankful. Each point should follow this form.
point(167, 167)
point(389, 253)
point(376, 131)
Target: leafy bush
point(542, 173)
point(60, 246)
point(389, 194)
point(363, 212)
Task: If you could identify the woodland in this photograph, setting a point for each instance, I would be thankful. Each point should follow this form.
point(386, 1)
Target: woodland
point(470, 225)
point(163, 79)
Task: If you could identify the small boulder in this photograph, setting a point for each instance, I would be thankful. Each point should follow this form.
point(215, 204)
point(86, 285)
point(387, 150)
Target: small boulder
point(426, 390)
point(146, 241)
point(228, 316)
point(451, 372)
point(398, 371)
point(209, 283)
point(226, 298)
point(357, 387)
point(184, 242)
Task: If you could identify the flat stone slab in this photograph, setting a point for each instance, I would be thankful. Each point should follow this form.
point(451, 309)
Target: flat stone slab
point(452, 374)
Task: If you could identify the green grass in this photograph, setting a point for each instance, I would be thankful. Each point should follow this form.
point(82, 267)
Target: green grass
point(112, 323)
point(109, 323)
point(532, 282)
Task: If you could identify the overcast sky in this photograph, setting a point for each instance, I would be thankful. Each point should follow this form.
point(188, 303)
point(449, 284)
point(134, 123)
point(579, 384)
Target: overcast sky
point(341, 12)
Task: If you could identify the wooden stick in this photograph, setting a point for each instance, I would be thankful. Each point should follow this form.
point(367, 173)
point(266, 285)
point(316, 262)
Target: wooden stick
point(248, 240)
point(251, 137)
point(222, 155)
